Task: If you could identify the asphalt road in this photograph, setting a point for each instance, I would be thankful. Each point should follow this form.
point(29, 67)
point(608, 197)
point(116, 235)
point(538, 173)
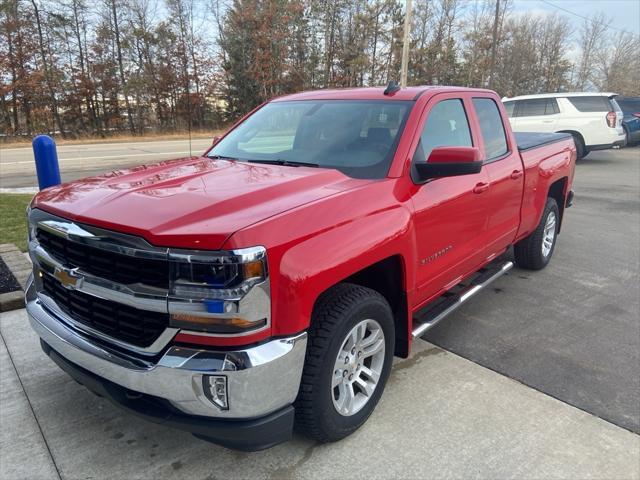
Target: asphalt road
point(571, 330)
point(17, 168)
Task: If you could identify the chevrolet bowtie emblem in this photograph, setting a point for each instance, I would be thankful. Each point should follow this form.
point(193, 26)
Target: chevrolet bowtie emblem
point(68, 278)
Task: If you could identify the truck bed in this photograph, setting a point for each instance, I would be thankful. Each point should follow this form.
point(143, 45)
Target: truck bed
point(529, 140)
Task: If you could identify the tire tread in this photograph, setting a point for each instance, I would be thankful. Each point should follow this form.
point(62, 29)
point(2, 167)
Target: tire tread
point(527, 252)
point(330, 310)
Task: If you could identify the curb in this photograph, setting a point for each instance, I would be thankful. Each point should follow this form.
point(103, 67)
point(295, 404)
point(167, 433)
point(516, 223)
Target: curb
point(20, 267)
point(32, 190)
point(11, 301)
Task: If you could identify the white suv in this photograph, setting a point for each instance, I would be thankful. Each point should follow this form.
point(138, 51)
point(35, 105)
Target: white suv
point(594, 119)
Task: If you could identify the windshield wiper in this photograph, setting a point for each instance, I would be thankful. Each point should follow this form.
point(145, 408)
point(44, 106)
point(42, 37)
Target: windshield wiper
point(286, 163)
point(222, 157)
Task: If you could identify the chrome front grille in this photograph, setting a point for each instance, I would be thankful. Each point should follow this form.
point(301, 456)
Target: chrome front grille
point(103, 263)
point(131, 325)
point(110, 285)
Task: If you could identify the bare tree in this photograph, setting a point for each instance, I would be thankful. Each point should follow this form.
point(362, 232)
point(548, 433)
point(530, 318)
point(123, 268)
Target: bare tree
point(123, 81)
point(46, 68)
point(618, 65)
point(592, 35)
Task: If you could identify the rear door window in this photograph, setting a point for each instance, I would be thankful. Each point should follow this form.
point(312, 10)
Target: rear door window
point(493, 133)
point(591, 103)
point(532, 108)
point(536, 107)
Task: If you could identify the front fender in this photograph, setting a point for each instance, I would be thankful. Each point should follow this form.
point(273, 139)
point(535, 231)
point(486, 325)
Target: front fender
point(317, 245)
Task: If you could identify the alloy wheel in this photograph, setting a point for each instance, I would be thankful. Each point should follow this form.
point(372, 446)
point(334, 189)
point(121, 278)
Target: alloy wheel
point(358, 367)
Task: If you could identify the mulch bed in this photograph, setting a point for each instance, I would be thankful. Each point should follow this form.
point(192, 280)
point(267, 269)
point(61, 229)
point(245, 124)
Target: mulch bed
point(8, 282)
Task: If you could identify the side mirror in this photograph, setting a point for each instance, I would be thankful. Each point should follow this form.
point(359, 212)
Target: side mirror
point(449, 162)
point(215, 140)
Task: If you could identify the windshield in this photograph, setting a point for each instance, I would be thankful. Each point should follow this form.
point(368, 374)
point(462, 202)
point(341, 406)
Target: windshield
point(358, 138)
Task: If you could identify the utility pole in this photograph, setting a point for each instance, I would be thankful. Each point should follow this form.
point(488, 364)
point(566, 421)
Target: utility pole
point(405, 45)
point(493, 44)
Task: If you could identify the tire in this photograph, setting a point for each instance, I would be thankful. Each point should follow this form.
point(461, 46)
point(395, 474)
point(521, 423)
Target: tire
point(581, 150)
point(531, 252)
point(337, 313)
point(627, 137)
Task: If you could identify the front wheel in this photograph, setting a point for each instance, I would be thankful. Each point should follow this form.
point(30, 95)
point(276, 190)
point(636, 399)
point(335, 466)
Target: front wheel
point(348, 361)
point(535, 251)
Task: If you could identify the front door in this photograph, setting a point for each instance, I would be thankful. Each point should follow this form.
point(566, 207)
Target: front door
point(451, 213)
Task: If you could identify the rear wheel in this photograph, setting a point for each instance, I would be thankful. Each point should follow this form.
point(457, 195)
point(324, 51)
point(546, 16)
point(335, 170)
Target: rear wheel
point(627, 137)
point(581, 150)
point(535, 251)
point(348, 361)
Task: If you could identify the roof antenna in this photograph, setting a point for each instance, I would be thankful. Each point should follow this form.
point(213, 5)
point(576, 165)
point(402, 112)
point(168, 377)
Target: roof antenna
point(392, 88)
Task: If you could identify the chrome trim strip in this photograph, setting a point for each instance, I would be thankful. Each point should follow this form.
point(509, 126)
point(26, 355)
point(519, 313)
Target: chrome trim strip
point(255, 305)
point(96, 237)
point(242, 255)
point(139, 296)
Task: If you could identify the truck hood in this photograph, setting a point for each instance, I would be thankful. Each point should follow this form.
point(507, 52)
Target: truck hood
point(194, 202)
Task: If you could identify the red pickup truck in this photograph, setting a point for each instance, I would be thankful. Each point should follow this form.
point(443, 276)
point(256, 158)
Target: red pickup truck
point(271, 280)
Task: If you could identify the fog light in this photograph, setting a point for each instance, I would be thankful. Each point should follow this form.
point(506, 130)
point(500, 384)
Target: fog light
point(215, 389)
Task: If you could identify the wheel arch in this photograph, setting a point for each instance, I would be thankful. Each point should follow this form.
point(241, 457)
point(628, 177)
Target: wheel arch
point(558, 191)
point(387, 277)
point(575, 132)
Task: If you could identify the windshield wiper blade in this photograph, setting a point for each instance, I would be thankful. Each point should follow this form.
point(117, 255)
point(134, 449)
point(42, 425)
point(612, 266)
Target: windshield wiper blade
point(222, 157)
point(286, 163)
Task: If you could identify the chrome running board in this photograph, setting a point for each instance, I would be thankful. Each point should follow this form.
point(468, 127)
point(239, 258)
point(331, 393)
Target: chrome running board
point(437, 310)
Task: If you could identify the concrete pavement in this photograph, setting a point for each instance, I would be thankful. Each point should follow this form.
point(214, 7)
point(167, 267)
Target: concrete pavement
point(441, 417)
point(23, 451)
point(17, 167)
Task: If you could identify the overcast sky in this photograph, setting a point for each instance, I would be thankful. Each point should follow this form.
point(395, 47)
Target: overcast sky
point(624, 13)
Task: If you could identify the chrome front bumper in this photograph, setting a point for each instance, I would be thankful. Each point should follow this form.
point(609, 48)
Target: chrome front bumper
point(260, 379)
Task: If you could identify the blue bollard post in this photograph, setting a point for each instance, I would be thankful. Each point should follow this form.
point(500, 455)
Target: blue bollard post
point(47, 168)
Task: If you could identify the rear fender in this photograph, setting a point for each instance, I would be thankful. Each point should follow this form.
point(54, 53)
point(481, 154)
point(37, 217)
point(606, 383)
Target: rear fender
point(543, 168)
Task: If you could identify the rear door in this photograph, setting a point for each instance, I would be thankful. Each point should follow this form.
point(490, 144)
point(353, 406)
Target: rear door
point(450, 213)
point(506, 174)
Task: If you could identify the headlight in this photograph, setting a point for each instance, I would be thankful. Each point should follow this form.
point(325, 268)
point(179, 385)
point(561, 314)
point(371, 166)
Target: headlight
point(219, 292)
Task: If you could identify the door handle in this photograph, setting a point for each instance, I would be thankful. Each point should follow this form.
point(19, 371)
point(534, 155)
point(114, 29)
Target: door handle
point(516, 174)
point(481, 187)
